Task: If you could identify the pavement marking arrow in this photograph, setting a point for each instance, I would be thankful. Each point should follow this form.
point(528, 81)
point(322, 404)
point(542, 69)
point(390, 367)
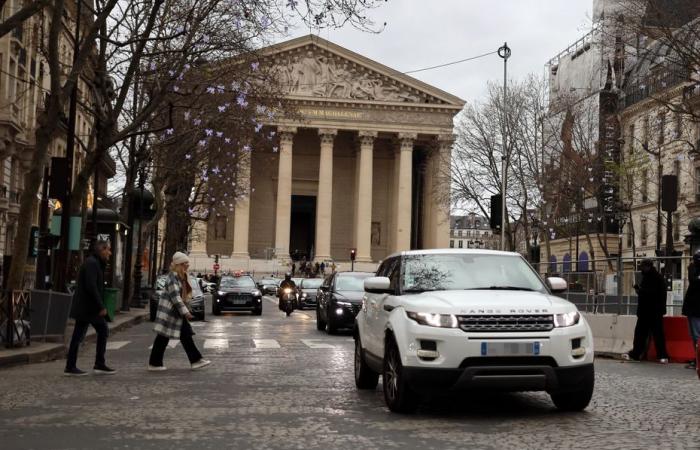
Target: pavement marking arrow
point(266, 343)
point(315, 343)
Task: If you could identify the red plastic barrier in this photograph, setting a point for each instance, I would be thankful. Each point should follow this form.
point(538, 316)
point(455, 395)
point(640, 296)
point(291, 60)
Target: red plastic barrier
point(679, 345)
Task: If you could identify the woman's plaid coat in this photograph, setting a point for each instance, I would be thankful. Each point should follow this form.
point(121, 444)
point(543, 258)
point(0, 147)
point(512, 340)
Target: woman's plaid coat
point(171, 309)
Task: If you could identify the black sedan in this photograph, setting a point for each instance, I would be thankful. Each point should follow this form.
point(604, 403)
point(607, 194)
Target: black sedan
point(237, 294)
point(339, 299)
point(269, 286)
point(308, 290)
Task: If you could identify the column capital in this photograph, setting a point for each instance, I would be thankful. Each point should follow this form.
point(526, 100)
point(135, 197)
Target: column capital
point(367, 137)
point(286, 134)
point(406, 141)
point(445, 140)
point(327, 135)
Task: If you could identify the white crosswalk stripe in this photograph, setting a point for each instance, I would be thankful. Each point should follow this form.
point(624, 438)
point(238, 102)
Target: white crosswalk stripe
point(116, 345)
point(216, 343)
point(171, 344)
point(315, 343)
point(266, 343)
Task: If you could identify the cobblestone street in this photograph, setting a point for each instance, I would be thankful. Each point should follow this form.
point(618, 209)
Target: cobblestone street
point(276, 382)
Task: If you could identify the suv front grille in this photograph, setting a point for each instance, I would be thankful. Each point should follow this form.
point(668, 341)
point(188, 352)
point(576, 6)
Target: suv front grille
point(506, 323)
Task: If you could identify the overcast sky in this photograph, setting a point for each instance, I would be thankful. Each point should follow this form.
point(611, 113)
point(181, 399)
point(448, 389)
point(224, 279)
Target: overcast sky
point(423, 33)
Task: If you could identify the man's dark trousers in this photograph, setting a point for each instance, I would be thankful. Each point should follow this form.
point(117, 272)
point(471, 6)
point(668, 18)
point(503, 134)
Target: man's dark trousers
point(649, 324)
point(81, 327)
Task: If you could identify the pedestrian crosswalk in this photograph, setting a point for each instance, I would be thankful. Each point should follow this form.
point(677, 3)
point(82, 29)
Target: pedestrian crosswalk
point(224, 344)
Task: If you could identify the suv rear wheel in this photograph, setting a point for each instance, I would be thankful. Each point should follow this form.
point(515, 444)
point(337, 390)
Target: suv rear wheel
point(397, 394)
point(576, 400)
point(365, 378)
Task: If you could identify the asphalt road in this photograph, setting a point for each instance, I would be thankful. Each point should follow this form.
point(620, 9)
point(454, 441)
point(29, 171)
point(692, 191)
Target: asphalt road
point(278, 383)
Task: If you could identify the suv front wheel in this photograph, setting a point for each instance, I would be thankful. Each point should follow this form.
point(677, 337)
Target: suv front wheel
point(576, 400)
point(397, 394)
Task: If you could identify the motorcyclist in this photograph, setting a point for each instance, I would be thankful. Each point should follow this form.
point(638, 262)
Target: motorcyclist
point(286, 283)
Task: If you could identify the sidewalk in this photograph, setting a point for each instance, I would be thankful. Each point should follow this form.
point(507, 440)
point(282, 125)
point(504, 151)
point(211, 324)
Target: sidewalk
point(48, 351)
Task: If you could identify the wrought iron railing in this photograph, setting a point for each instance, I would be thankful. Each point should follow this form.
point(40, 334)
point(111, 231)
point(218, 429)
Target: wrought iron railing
point(14, 318)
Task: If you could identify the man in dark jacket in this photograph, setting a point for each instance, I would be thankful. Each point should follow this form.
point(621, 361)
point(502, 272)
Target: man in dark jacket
point(88, 309)
point(651, 307)
point(691, 302)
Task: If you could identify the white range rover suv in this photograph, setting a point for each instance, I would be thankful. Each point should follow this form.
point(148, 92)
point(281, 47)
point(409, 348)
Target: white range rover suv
point(434, 320)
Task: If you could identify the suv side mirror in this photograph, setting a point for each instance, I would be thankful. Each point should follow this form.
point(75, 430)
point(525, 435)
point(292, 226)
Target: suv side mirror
point(557, 285)
point(378, 285)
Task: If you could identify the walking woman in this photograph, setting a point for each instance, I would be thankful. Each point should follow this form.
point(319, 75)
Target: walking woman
point(173, 316)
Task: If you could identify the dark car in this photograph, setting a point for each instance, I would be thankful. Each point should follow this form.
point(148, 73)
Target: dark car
point(237, 293)
point(158, 290)
point(196, 304)
point(308, 290)
point(339, 299)
point(269, 286)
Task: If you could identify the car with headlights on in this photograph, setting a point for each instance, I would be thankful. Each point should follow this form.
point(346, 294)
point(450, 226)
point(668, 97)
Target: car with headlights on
point(235, 294)
point(437, 320)
point(197, 302)
point(338, 300)
point(269, 286)
point(308, 289)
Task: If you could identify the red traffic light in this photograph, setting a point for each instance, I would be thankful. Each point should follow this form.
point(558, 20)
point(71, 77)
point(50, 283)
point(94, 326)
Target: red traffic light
point(352, 254)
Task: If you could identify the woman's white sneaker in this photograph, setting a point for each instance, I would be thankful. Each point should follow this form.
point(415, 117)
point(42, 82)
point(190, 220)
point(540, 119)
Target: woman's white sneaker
point(201, 363)
point(156, 368)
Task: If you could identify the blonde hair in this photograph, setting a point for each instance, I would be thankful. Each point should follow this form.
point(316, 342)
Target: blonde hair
point(179, 270)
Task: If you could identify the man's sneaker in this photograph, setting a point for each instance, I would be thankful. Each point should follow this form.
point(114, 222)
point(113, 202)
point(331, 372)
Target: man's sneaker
point(104, 370)
point(156, 368)
point(201, 363)
point(663, 361)
point(74, 372)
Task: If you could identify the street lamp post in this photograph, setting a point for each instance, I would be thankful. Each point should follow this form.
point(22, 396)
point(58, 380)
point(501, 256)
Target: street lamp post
point(504, 52)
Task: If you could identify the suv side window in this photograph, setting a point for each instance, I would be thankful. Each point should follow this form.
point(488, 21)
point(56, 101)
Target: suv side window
point(382, 270)
point(394, 273)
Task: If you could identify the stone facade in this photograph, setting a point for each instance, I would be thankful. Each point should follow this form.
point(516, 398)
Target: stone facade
point(366, 163)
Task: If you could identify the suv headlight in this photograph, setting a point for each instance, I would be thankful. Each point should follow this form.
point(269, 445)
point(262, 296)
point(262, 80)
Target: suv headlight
point(256, 293)
point(567, 319)
point(434, 320)
point(341, 303)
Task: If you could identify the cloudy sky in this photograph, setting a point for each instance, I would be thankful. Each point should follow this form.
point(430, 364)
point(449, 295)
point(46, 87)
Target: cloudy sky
point(423, 33)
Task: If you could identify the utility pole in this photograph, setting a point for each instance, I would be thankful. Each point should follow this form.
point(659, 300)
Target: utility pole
point(504, 52)
point(63, 254)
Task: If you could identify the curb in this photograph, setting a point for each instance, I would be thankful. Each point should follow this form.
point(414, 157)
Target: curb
point(53, 351)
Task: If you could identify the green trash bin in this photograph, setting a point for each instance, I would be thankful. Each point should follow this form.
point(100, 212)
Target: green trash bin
point(110, 302)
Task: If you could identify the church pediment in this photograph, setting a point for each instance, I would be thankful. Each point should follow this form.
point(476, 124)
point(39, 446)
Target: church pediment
point(315, 68)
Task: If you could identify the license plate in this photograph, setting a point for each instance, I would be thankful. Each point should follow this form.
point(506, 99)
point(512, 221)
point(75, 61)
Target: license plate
point(510, 348)
point(239, 301)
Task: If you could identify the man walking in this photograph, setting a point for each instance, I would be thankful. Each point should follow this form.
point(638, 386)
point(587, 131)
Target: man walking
point(691, 303)
point(88, 309)
point(651, 307)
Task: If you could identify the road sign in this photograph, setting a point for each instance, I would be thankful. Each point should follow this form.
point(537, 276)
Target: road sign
point(217, 266)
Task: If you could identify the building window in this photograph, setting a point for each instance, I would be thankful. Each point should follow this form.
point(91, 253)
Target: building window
point(676, 227)
point(629, 236)
point(661, 122)
point(452, 243)
point(459, 233)
point(645, 185)
point(643, 231)
point(631, 140)
point(461, 245)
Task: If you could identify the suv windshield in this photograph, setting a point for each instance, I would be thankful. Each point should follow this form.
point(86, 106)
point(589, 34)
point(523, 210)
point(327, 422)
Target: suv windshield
point(196, 291)
point(465, 271)
point(355, 282)
point(239, 282)
point(311, 283)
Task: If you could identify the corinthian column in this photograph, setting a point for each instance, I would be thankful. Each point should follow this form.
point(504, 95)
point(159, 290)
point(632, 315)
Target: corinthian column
point(324, 199)
point(441, 163)
point(404, 184)
point(284, 192)
point(363, 196)
point(242, 212)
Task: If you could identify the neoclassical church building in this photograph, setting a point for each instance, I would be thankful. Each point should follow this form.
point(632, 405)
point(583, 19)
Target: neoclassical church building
point(364, 166)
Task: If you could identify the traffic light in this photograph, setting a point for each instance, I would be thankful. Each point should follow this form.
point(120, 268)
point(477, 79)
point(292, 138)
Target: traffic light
point(352, 254)
point(495, 218)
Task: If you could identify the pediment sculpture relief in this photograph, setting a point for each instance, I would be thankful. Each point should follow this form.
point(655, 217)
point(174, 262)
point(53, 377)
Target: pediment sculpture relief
point(315, 75)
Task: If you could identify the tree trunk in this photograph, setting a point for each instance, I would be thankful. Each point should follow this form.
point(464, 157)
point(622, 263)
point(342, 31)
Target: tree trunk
point(177, 220)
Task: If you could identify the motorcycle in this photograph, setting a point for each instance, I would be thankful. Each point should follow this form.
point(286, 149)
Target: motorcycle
point(287, 299)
